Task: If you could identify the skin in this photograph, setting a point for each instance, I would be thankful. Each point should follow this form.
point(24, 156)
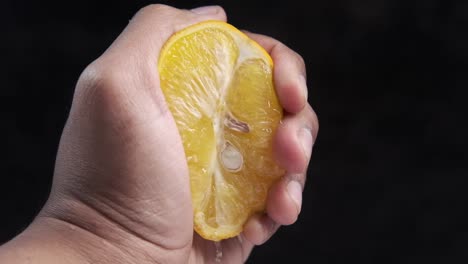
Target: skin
point(121, 192)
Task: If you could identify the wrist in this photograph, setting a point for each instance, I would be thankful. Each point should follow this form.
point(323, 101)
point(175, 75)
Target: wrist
point(46, 240)
point(101, 234)
point(72, 232)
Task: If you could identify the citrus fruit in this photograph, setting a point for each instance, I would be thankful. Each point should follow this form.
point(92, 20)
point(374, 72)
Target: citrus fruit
point(219, 88)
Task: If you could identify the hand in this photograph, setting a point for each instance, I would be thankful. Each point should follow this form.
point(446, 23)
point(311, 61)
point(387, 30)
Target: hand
point(121, 191)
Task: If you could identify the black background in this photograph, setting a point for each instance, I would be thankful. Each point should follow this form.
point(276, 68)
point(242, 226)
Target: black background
point(386, 182)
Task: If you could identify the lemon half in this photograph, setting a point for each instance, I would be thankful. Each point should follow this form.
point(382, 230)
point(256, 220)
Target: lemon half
point(218, 84)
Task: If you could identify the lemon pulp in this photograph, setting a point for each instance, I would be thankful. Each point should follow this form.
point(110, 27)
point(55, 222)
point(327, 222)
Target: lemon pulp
point(219, 88)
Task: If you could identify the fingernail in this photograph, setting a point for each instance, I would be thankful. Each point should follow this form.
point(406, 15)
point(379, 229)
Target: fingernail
point(206, 10)
point(303, 83)
point(295, 192)
point(305, 137)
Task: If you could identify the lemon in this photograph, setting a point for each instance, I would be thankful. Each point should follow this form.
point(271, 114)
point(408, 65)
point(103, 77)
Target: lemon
point(218, 84)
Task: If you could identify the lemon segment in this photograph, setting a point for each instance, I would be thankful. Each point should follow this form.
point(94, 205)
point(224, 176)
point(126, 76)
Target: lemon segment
point(219, 87)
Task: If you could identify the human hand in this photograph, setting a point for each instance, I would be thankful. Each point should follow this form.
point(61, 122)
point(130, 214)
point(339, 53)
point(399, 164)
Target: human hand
point(121, 190)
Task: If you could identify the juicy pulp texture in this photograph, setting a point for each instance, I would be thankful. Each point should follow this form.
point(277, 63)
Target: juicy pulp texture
point(219, 88)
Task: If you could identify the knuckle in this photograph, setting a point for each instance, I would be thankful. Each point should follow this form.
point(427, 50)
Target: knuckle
point(107, 86)
point(301, 178)
point(313, 119)
point(99, 76)
point(101, 98)
point(293, 56)
point(299, 60)
point(101, 83)
point(154, 8)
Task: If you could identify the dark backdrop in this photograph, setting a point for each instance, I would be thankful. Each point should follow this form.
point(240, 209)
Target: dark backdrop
point(386, 78)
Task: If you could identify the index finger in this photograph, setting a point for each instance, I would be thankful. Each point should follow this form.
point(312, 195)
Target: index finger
point(152, 25)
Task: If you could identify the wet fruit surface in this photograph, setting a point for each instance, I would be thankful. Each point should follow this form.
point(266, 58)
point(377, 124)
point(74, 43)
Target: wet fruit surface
point(219, 87)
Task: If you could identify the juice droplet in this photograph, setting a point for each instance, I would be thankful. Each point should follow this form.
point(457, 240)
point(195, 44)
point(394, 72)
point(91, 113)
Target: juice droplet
point(219, 252)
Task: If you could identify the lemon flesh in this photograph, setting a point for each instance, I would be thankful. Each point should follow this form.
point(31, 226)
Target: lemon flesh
point(219, 88)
